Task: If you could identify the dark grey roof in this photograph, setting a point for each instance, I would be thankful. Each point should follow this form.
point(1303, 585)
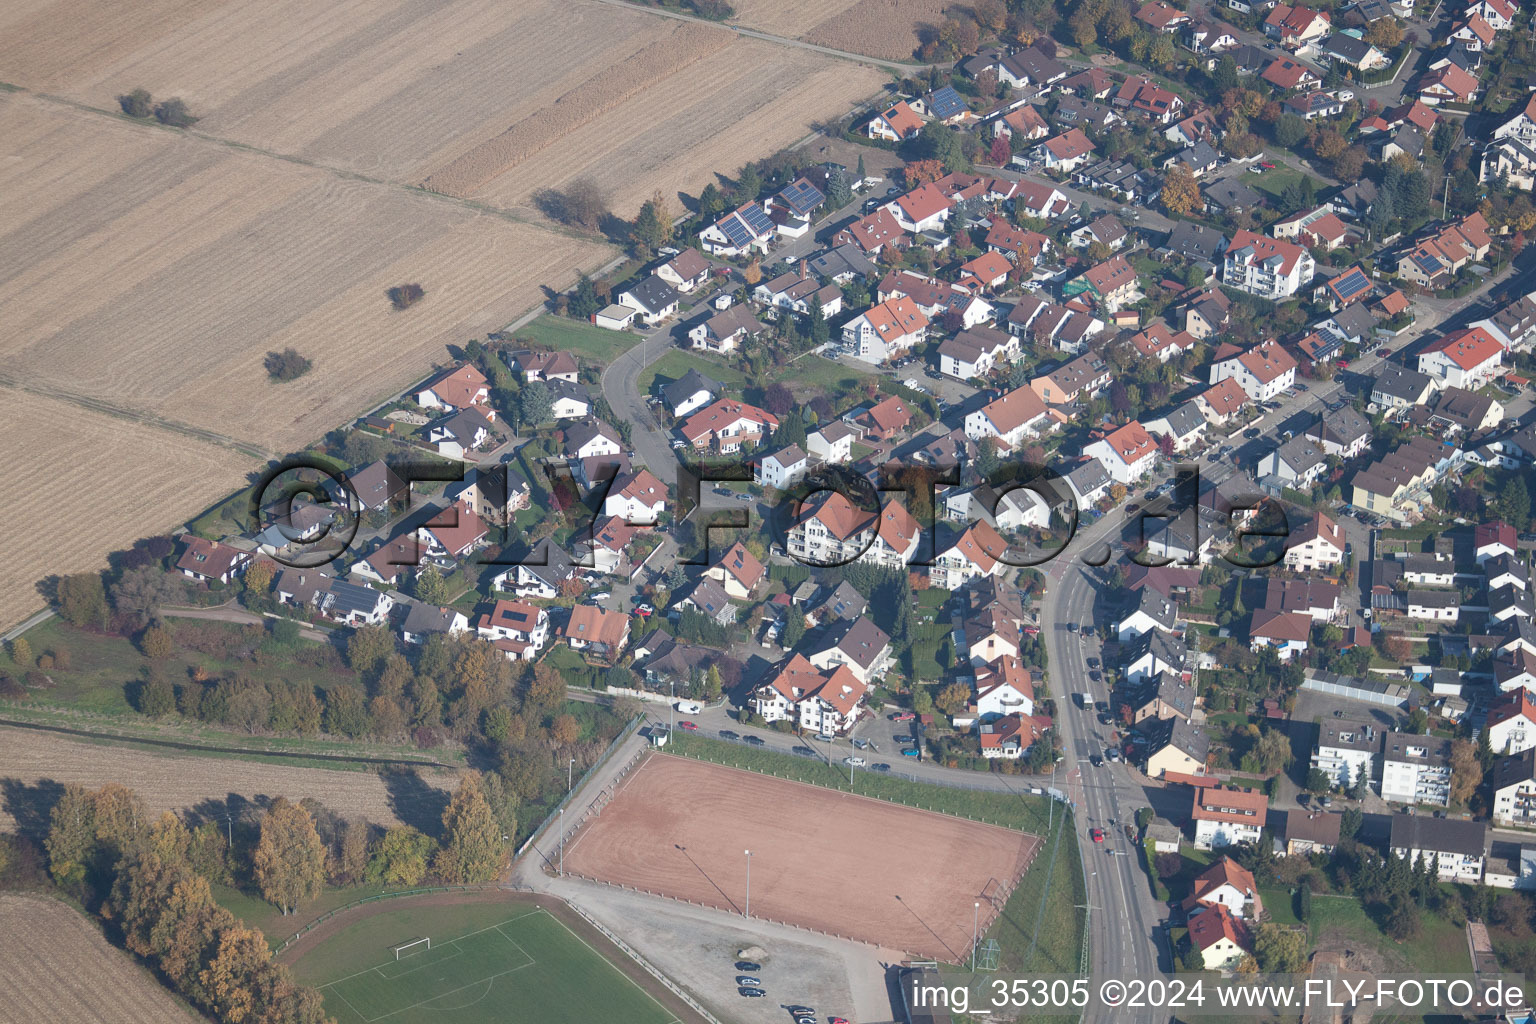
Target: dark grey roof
point(1179, 734)
point(582, 431)
point(1355, 320)
point(843, 602)
point(1350, 736)
point(1199, 156)
point(1185, 420)
point(1404, 746)
point(1342, 426)
point(557, 567)
point(1157, 607)
point(1035, 66)
point(559, 389)
point(426, 618)
point(1089, 476)
point(1196, 241)
point(709, 597)
point(1228, 194)
point(841, 261)
point(1439, 835)
point(1166, 647)
point(1347, 47)
point(350, 597)
point(653, 293)
point(1400, 382)
point(860, 640)
point(376, 484)
point(688, 385)
point(464, 424)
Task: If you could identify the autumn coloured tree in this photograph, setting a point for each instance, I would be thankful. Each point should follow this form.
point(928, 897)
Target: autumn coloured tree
point(472, 844)
point(289, 862)
point(1001, 151)
point(227, 979)
point(71, 836)
point(920, 172)
point(401, 859)
point(1180, 194)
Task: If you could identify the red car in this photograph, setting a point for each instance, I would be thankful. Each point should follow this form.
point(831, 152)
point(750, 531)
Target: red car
point(1097, 834)
point(903, 716)
point(1343, 364)
point(1383, 352)
point(1267, 167)
point(690, 726)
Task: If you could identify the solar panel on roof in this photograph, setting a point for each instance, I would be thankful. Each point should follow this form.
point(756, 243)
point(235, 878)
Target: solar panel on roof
point(756, 219)
point(1427, 263)
point(736, 231)
point(1352, 284)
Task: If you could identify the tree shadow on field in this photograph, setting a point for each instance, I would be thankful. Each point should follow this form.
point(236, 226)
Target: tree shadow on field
point(231, 810)
point(30, 805)
point(415, 802)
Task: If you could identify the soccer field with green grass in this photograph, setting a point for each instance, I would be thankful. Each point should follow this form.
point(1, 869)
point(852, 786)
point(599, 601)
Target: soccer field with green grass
point(492, 962)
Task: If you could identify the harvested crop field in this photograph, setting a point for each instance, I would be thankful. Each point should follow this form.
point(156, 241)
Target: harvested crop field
point(140, 480)
point(892, 29)
point(154, 271)
point(453, 95)
point(670, 138)
point(59, 968)
point(176, 782)
point(848, 865)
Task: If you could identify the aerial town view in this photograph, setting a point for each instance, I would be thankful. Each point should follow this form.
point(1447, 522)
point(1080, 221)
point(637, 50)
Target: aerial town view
point(641, 510)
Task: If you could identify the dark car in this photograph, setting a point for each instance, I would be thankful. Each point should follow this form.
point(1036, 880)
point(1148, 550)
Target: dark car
point(751, 993)
point(1251, 433)
point(882, 767)
point(1105, 719)
point(727, 734)
point(902, 738)
point(1096, 675)
point(805, 751)
point(1093, 662)
point(1130, 833)
point(756, 741)
point(1102, 705)
point(1096, 761)
point(1071, 627)
point(748, 965)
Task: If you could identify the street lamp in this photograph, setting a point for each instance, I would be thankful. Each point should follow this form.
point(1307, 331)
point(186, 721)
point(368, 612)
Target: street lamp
point(748, 911)
point(671, 704)
point(562, 842)
point(568, 770)
point(975, 932)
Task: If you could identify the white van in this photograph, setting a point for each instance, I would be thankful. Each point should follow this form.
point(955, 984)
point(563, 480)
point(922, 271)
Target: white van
point(688, 707)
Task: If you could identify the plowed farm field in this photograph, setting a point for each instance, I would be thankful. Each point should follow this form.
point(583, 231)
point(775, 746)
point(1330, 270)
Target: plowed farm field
point(177, 782)
point(58, 968)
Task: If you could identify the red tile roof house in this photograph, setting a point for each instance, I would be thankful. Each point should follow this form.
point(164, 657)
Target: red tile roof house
point(738, 570)
point(1449, 84)
point(884, 420)
point(1065, 153)
point(1286, 74)
point(637, 498)
point(454, 532)
point(1113, 283)
point(873, 233)
point(515, 628)
point(1294, 26)
point(598, 630)
point(1147, 97)
point(895, 123)
point(211, 561)
point(461, 388)
point(1161, 16)
point(1011, 736)
point(987, 272)
point(726, 424)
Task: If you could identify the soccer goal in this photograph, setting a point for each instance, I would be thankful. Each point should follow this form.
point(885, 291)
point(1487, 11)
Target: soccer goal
point(410, 946)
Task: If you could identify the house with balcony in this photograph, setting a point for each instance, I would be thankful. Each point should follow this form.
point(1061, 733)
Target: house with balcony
point(1466, 359)
point(1345, 751)
point(1267, 267)
point(1264, 371)
point(516, 628)
point(1416, 769)
point(1227, 816)
point(814, 700)
point(1458, 849)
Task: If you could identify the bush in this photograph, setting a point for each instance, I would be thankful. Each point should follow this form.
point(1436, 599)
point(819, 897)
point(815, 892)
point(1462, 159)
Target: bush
point(137, 103)
point(11, 688)
point(174, 112)
point(406, 295)
point(715, 10)
point(286, 365)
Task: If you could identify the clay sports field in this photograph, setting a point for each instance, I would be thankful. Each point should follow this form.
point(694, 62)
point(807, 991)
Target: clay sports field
point(835, 862)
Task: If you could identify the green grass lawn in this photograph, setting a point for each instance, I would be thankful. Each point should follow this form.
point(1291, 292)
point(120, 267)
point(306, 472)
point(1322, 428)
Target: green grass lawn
point(258, 913)
point(486, 963)
point(579, 338)
point(1340, 922)
point(676, 364)
point(823, 374)
point(1280, 905)
point(1273, 182)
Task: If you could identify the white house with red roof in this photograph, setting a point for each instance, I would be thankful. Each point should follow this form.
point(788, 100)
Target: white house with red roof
point(739, 571)
point(831, 530)
point(726, 424)
point(460, 388)
point(1297, 26)
point(815, 700)
point(1227, 884)
point(1066, 152)
point(636, 497)
point(873, 233)
point(1320, 226)
point(1222, 401)
point(1263, 371)
point(895, 123)
point(1500, 14)
point(1016, 416)
point(1447, 84)
point(516, 628)
point(885, 331)
point(1145, 96)
point(977, 554)
point(1010, 736)
point(211, 561)
point(1160, 343)
point(1038, 200)
point(1126, 453)
point(922, 209)
point(454, 532)
point(1266, 267)
point(1512, 723)
point(1489, 540)
point(1286, 632)
point(1227, 816)
point(1463, 359)
point(1317, 545)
